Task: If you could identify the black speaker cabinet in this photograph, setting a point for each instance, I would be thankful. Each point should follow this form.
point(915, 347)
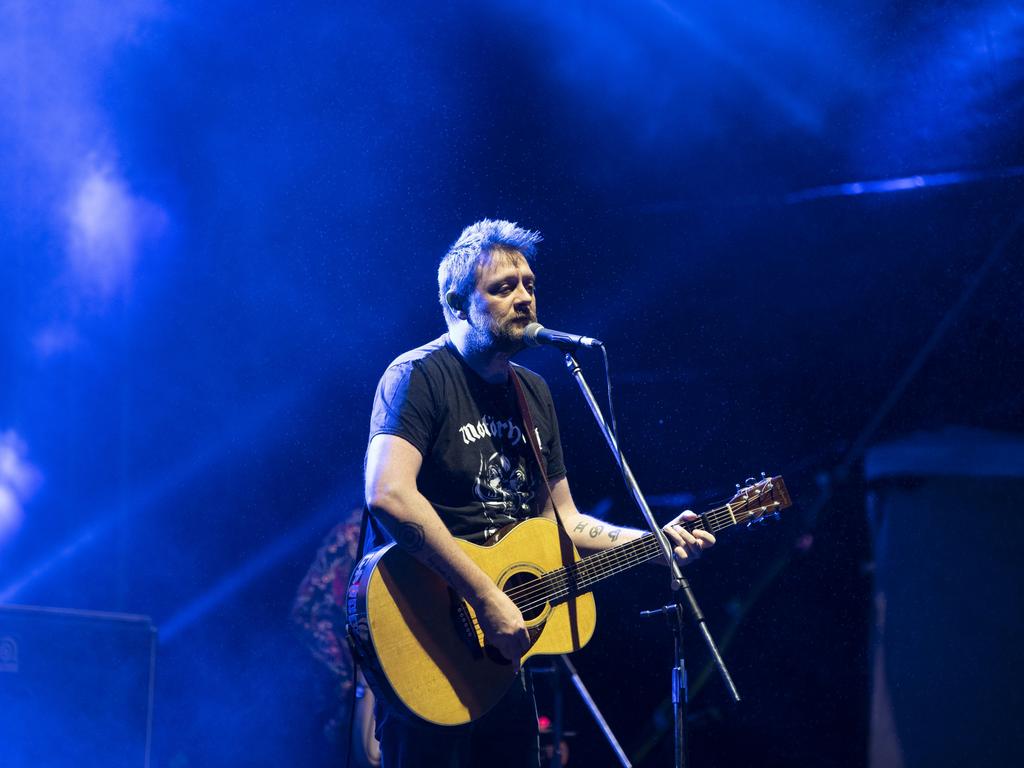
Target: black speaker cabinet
point(949, 578)
point(76, 688)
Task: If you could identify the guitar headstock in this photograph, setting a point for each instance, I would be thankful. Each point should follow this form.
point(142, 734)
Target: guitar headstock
point(758, 500)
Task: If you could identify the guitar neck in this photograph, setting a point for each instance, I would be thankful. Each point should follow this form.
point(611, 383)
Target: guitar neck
point(597, 567)
point(581, 576)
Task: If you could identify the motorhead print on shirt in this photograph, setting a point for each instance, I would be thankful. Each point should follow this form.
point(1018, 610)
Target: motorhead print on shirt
point(478, 469)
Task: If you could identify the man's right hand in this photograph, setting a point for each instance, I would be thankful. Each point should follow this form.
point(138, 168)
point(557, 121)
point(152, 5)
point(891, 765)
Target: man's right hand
point(503, 625)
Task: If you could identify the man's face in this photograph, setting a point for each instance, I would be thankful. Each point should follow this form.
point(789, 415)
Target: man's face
point(503, 302)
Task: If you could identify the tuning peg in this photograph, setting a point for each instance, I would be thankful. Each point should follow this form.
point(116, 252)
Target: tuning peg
point(762, 475)
point(776, 515)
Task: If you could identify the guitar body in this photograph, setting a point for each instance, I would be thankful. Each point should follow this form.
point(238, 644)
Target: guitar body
point(419, 643)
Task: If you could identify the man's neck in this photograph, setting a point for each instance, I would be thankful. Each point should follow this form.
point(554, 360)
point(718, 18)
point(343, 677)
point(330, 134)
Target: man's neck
point(490, 364)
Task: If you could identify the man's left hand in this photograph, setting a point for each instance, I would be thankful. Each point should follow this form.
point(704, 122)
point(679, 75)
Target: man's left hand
point(688, 546)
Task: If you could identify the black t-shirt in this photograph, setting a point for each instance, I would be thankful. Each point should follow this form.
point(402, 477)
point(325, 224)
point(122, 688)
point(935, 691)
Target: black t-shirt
point(478, 469)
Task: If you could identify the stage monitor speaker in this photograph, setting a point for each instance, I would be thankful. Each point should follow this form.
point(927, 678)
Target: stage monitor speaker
point(76, 688)
point(946, 509)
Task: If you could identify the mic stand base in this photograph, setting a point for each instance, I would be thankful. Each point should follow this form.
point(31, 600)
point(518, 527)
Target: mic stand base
point(680, 690)
point(558, 726)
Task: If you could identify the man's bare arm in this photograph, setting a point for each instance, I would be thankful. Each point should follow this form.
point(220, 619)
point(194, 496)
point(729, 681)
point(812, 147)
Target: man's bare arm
point(392, 465)
point(590, 534)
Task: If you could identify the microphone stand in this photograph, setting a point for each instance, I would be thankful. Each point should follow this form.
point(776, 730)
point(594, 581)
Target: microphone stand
point(558, 713)
point(598, 717)
point(681, 591)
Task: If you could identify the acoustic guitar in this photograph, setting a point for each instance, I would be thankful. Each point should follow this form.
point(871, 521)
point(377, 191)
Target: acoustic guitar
point(420, 645)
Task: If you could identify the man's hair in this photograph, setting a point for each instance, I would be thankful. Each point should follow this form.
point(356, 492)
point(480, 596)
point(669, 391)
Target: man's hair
point(457, 271)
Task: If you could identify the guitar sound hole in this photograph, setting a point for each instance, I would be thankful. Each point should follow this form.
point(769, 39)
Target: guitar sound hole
point(516, 588)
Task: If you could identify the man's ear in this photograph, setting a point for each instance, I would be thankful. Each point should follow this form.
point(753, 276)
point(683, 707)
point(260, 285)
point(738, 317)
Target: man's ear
point(455, 304)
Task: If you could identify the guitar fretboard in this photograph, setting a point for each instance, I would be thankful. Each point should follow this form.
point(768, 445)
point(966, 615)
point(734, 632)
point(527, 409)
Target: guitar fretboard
point(562, 583)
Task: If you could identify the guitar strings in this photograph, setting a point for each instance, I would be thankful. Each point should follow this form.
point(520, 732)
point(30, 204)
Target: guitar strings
point(713, 520)
point(557, 584)
point(558, 587)
point(594, 567)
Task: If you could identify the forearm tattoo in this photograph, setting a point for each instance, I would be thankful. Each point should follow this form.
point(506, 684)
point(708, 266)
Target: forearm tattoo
point(596, 529)
point(410, 537)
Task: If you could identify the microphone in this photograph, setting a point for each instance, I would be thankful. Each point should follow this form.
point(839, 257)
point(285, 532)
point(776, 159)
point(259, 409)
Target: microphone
point(536, 334)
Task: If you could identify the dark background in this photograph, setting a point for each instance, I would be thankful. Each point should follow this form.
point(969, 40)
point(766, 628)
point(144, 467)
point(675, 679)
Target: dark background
point(794, 224)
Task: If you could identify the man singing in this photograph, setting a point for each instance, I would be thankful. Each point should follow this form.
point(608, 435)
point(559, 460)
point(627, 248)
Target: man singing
point(448, 457)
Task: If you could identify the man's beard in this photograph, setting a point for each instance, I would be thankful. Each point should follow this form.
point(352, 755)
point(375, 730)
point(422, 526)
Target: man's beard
point(505, 336)
point(513, 328)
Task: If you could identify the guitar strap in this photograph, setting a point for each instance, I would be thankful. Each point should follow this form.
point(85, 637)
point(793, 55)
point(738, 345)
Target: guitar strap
point(533, 438)
point(565, 543)
point(365, 525)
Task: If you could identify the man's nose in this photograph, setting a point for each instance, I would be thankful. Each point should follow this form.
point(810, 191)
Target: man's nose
point(522, 295)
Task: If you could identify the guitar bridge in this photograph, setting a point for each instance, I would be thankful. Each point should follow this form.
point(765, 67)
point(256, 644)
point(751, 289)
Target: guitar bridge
point(464, 621)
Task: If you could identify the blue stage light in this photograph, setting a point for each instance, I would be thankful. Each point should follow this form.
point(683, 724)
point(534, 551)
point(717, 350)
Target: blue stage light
point(107, 227)
point(901, 184)
point(18, 481)
point(249, 428)
point(315, 524)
